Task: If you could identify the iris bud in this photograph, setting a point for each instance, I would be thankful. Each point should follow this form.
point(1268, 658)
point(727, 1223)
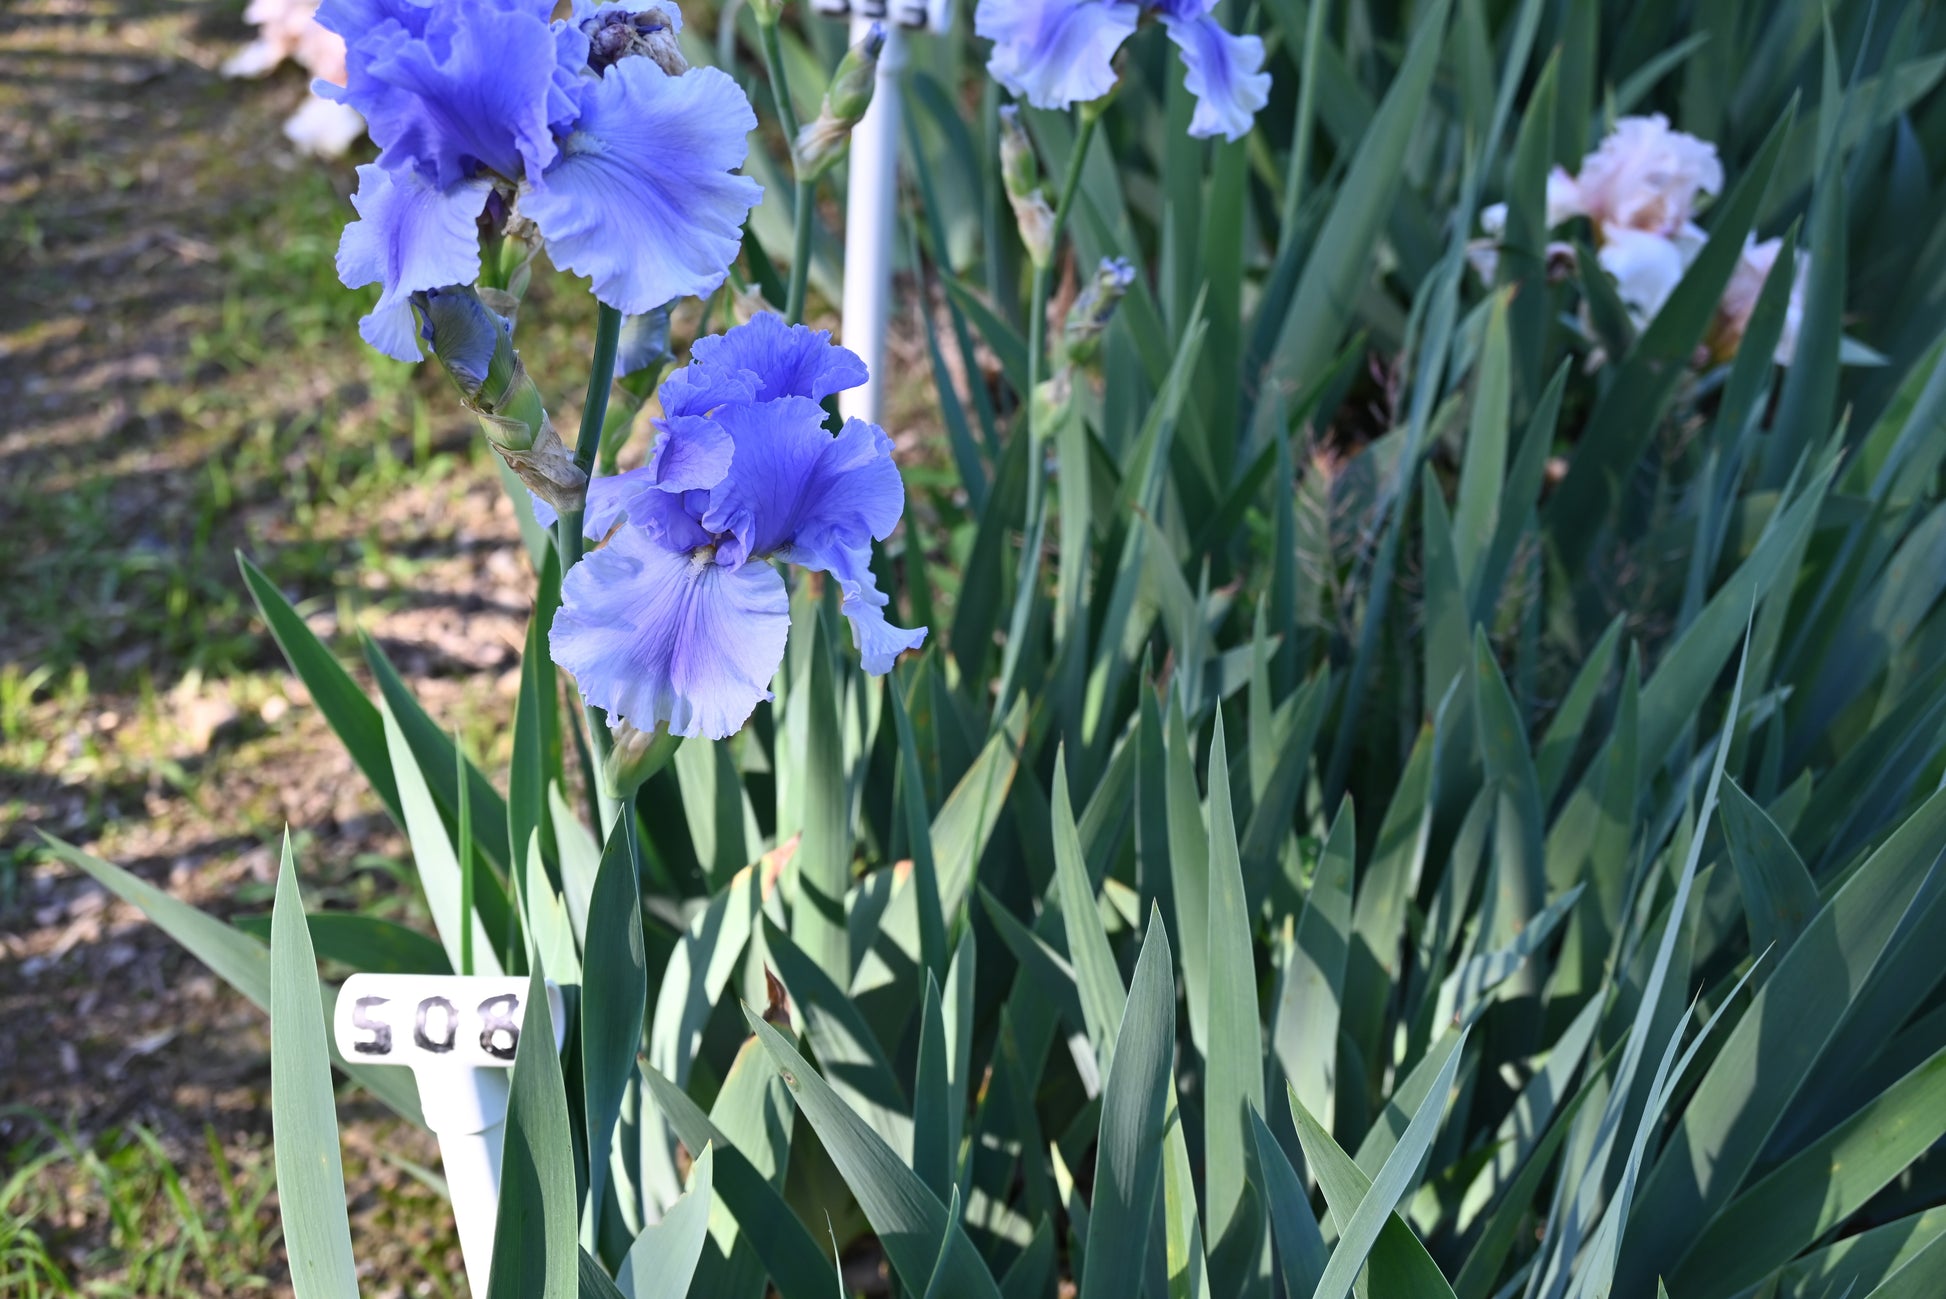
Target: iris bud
point(1089, 316)
point(475, 346)
point(1020, 176)
point(823, 141)
point(636, 756)
point(1020, 170)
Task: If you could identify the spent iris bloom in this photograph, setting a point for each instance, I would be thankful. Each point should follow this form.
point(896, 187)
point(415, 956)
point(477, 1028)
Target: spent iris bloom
point(680, 620)
point(489, 112)
point(1057, 53)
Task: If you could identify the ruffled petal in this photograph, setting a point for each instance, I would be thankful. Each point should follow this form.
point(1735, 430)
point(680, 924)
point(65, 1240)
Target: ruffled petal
point(1224, 72)
point(410, 235)
point(877, 641)
point(795, 490)
point(698, 390)
point(654, 634)
point(1055, 53)
point(1646, 177)
point(475, 85)
point(643, 200)
point(787, 360)
point(353, 19)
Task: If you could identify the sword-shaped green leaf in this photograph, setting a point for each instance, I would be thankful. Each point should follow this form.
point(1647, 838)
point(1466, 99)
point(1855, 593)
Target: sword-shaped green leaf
point(303, 1111)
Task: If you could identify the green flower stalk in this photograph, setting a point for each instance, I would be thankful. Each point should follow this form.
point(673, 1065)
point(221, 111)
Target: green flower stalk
point(475, 346)
point(640, 361)
point(1020, 174)
point(824, 140)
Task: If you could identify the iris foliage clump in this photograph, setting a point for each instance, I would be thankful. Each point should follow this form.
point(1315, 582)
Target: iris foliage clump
point(1425, 775)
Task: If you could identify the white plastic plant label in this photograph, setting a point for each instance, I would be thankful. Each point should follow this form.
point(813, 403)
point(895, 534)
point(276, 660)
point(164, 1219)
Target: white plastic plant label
point(913, 15)
point(435, 1019)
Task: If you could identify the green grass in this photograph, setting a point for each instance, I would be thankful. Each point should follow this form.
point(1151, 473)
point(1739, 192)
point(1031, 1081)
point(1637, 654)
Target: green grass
point(115, 1216)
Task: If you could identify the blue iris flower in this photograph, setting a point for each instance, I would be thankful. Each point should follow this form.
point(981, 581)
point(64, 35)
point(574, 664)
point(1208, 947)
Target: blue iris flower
point(488, 109)
point(1057, 53)
point(681, 618)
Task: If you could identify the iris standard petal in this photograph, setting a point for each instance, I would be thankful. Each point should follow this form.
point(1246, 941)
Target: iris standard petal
point(698, 390)
point(353, 19)
point(653, 634)
point(643, 200)
point(1224, 72)
point(481, 86)
point(796, 491)
point(410, 235)
point(690, 452)
point(786, 360)
point(1055, 53)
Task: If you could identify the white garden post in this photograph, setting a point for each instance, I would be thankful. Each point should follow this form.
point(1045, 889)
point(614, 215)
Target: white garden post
point(458, 1034)
point(871, 216)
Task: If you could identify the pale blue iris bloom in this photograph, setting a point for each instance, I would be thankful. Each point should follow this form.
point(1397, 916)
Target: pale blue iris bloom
point(485, 109)
point(1057, 53)
point(681, 618)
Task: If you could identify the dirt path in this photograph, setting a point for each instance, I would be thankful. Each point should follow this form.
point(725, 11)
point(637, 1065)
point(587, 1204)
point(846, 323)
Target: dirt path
point(179, 378)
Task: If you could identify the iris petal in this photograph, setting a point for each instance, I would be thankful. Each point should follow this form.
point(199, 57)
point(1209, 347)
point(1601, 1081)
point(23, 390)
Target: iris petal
point(653, 634)
point(877, 641)
point(1055, 53)
point(786, 360)
point(1224, 72)
point(690, 452)
point(353, 19)
point(410, 235)
point(697, 390)
point(466, 86)
point(795, 490)
point(607, 504)
point(643, 200)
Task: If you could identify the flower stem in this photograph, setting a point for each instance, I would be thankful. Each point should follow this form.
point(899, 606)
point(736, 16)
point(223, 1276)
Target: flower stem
point(802, 217)
point(594, 411)
point(567, 530)
point(1037, 320)
point(780, 82)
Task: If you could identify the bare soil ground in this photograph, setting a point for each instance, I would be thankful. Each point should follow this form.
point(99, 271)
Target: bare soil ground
point(178, 379)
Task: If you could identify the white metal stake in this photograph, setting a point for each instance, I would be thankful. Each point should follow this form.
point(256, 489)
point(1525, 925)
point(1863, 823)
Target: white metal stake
point(869, 220)
point(458, 1034)
point(467, 1110)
